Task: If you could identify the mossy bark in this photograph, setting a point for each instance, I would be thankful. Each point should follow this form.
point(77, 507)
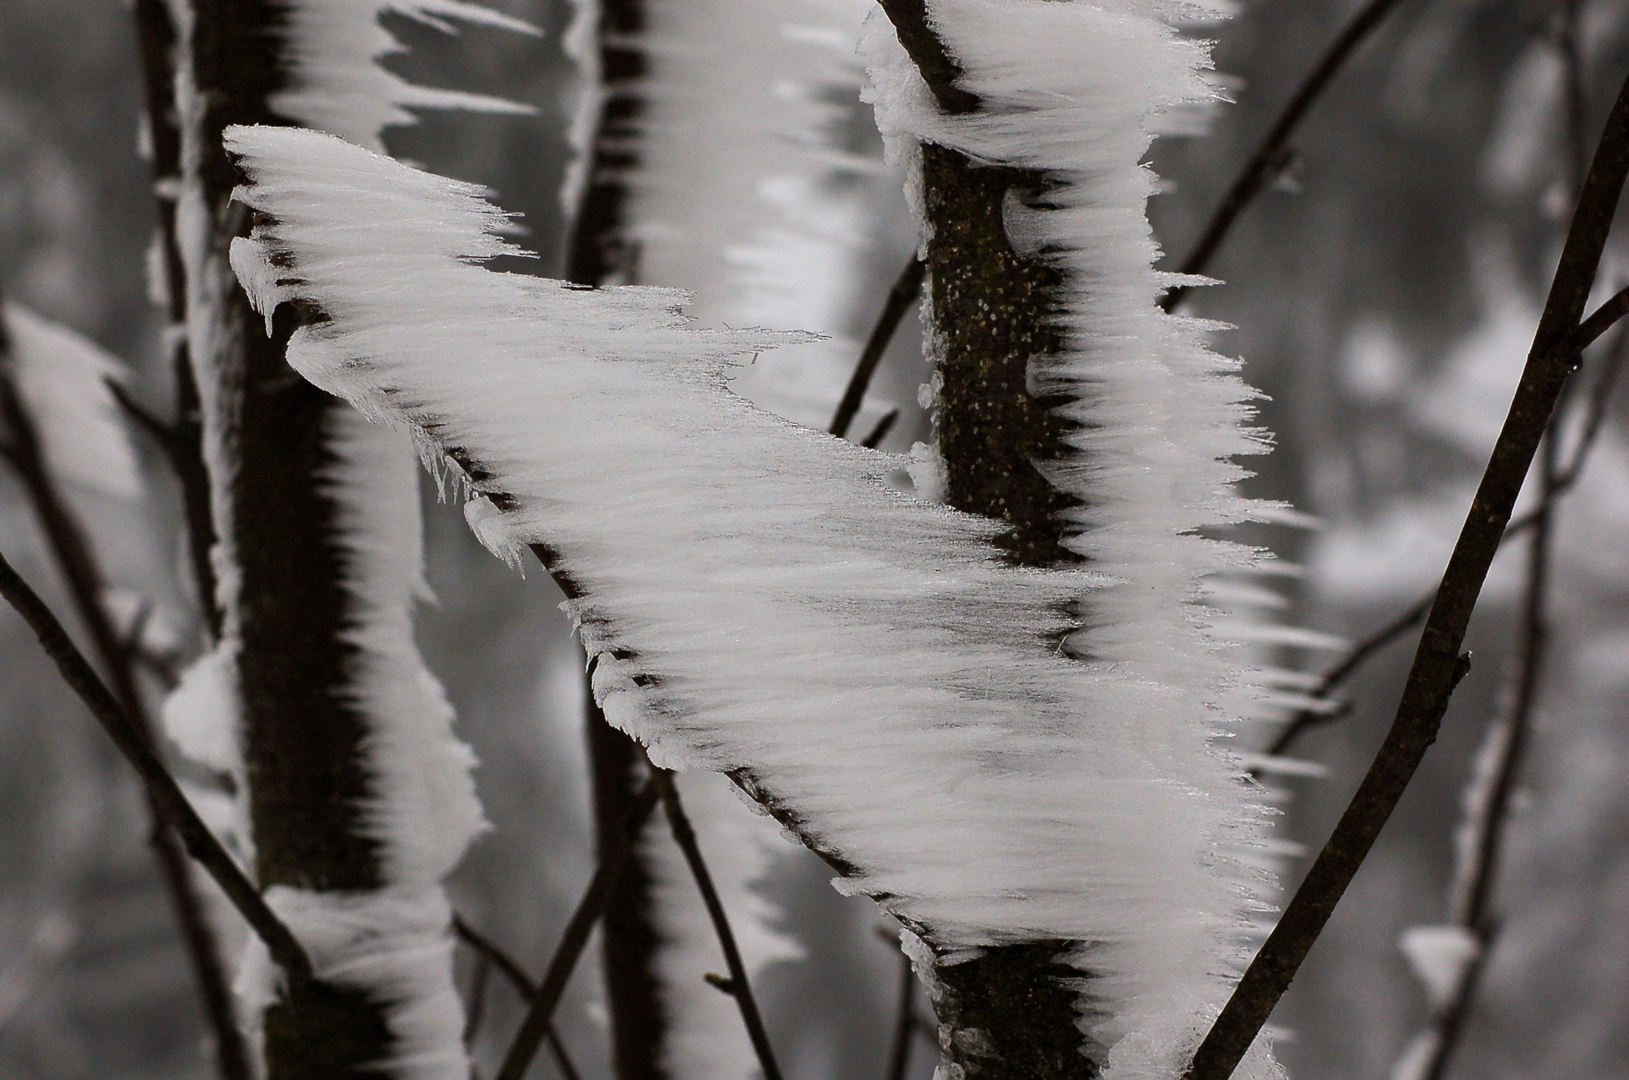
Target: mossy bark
point(303, 742)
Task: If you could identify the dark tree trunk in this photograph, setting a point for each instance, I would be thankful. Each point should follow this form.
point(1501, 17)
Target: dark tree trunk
point(302, 742)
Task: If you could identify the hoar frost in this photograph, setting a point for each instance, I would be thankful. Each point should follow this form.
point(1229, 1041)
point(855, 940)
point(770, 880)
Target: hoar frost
point(759, 601)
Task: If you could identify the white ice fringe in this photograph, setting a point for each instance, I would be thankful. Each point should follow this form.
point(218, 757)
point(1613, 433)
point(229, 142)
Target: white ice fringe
point(758, 599)
point(747, 194)
point(61, 378)
point(332, 48)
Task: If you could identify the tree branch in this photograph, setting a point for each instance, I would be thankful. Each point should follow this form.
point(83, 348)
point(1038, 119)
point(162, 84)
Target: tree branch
point(901, 296)
point(71, 549)
point(575, 938)
point(166, 794)
point(739, 988)
point(899, 1050)
point(1600, 395)
point(1437, 658)
point(1253, 178)
point(495, 957)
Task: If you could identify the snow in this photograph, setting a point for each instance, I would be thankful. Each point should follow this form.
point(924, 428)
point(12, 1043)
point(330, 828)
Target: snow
point(61, 378)
point(758, 598)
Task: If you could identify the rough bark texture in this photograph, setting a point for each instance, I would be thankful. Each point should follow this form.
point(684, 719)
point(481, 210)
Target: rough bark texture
point(599, 252)
point(1011, 1013)
point(302, 743)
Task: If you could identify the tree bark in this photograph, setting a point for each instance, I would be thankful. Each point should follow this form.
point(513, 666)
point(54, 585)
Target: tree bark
point(302, 742)
point(1010, 1013)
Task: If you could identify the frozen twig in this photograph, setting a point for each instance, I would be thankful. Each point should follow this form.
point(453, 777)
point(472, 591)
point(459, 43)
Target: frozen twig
point(165, 793)
point(70, 548)
point(738, 987)
point(569, 949)
point(907, 287)
point(182, 442)
point(491, 956)
point(1269, 155)
point(1438, 664)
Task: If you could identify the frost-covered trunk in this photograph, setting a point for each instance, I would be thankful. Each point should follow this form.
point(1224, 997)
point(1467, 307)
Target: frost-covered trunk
point(1009, 1013)
point(301, 738)
point(355, 797)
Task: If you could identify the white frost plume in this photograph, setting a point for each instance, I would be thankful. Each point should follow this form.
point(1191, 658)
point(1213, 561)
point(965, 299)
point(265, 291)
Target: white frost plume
point(748, 192)
point(333, 47)
point(760, 601)
point(62, 378)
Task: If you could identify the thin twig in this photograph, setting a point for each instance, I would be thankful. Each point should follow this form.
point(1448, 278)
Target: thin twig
point(1269, 155)
point(493, 957)
point(738, 988)
point(880, 432)
point(906, 288)
point(166, 794)
point(1438, 663)
point(575, 938)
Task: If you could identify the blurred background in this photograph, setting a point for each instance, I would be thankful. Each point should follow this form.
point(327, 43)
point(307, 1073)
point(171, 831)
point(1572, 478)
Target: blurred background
point(1384, 294)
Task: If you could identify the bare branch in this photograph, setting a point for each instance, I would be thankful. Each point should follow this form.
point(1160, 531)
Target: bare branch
point(75, 558)
point(738, 986)
point(1600, 394)
point(166, 794)
point(906, 288)
point(1437, 659)
point(1269, 155)
point(575, 938)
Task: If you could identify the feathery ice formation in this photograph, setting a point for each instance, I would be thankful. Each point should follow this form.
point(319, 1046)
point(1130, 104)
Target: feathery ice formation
point(760, 601)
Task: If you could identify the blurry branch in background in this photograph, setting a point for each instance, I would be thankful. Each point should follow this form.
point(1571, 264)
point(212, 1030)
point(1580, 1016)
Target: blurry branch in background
point(1273, 153)
point(900, 298)
point(540, 1018)
point(736, 985)
point(70, 548)
point(1269, 159)
point(491, 956)
point(1438, 664)
point(165, 794)
point(1600, 395)
point(1498, 764)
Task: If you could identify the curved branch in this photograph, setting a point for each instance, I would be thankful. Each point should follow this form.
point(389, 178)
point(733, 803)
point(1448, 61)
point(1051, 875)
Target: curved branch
point(1437, 660)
